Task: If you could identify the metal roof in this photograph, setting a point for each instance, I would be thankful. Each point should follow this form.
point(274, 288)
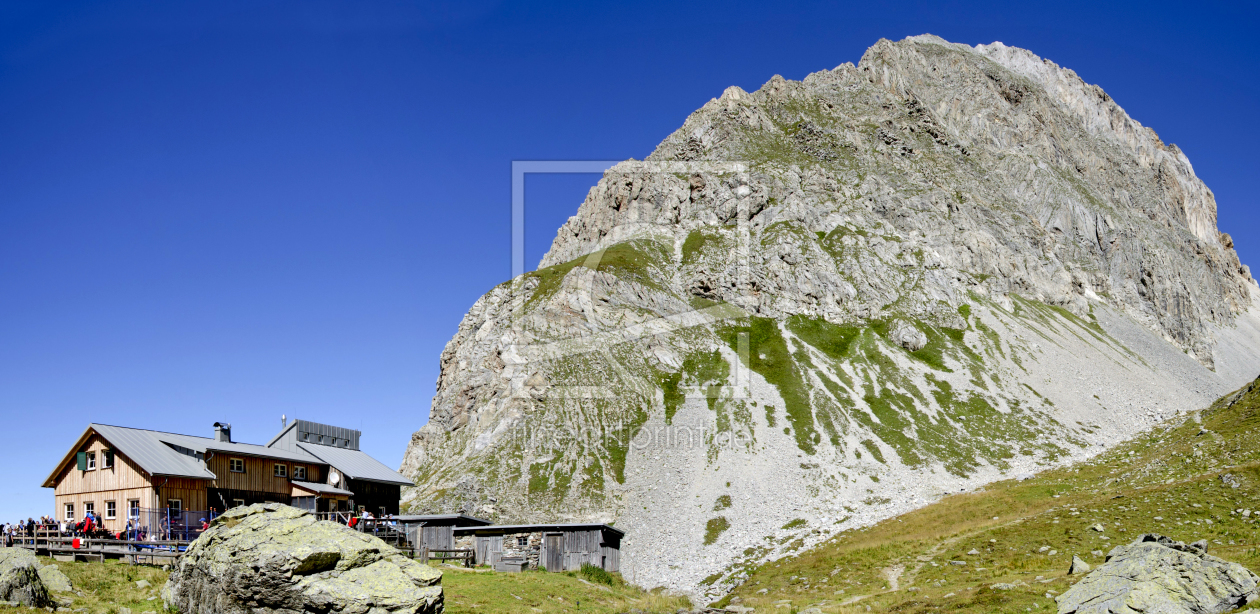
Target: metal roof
point(201, 444)
point(459, 520)
point(146, 448)
point(323, 489)
point(355, 464)
point(155, 451)
point(530, 528)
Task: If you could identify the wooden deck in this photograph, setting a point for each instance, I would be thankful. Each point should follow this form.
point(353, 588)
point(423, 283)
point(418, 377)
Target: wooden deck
point(60, 547)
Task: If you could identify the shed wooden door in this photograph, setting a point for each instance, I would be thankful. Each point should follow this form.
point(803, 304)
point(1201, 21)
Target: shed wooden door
point(553, 550)
point(438, 538)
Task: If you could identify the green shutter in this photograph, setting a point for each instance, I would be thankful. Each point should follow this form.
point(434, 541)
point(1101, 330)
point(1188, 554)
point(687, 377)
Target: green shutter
point(82, 461)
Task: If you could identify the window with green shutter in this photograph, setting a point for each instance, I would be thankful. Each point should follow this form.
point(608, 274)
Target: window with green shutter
point(82, 457)
point(109, 459)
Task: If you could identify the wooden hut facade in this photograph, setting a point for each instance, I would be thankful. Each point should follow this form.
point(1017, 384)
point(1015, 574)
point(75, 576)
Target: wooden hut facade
point(553, 547)
point(125, 474)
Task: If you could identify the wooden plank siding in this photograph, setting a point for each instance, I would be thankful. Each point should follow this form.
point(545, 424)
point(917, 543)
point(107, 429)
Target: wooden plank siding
point(123, 482)
point(259, 475)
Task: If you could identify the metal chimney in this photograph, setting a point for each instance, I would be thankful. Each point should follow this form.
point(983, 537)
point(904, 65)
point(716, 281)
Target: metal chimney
point(223, 432)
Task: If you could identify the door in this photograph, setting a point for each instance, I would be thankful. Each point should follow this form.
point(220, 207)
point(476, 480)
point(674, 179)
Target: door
point(553, 552)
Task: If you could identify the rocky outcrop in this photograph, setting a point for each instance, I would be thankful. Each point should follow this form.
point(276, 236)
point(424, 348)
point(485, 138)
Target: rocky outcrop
point(1157, 574)
point(272, 558)
point(1078, 567)
point(54, 580)
point(855, 292)
point(20, 583)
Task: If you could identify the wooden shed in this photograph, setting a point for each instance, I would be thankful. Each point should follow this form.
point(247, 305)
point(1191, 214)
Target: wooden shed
point(554, 547)
point(435, 531)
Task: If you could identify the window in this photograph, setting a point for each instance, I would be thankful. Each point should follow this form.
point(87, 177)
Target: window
point(175, 505)
point(238, 503)
point(236, 465)
point(91, 461)
point(133, 508)
point(89, 507)
point(111, 510)
point(281, 470)
point(69, 511)
point(107, 459)
point(299, 473)
point(522, 541)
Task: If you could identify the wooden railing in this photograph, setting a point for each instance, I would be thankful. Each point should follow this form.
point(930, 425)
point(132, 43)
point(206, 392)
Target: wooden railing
point(54, 543)
point(445, 556)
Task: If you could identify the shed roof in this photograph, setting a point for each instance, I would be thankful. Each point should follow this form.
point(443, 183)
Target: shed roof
point(503, 529)
point(355, 464)
point(323, 489)
point(157, 454)
point(459, 520)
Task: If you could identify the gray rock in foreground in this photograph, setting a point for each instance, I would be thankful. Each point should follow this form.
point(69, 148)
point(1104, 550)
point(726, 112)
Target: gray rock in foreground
point(274, 558)
point(19, 579)
point(1155, 574)
point(1078, 566)
point(54, 580)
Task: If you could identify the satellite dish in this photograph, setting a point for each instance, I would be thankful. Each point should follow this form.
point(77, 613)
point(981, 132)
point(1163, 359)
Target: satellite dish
point(334, 478)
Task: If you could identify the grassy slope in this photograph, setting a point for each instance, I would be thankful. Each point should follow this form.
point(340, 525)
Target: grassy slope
point(1168, 480)
point(539, 591)
point(104, 588)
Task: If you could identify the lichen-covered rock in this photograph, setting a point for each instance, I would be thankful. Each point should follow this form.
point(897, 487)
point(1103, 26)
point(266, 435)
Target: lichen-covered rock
point(19, 579)
point(1155, 574)
point(54, 580)
point(274, 558)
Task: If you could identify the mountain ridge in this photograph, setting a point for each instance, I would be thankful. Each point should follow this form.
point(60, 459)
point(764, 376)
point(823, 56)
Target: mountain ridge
point(848, 295)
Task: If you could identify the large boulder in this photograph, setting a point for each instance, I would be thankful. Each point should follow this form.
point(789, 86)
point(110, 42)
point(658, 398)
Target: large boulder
point(19, 579)
point(54, 579)
point(1155, 574)
point(272, 558)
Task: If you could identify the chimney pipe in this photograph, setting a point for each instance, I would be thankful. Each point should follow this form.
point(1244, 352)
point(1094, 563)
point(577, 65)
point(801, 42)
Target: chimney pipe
point(223, 432)
point(284, 421)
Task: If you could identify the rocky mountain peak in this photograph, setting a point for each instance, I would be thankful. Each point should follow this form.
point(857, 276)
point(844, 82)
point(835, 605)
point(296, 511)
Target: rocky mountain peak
point(826, 301)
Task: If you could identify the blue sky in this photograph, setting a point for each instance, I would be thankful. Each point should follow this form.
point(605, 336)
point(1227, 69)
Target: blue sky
point(236, 210)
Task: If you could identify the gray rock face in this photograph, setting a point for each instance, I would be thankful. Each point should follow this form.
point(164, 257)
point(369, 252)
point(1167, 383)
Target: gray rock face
point(275, 558)
point(1078, 566)
point(54, 579)
point(908, 337)
point(856, 292)
point(1155, 574)
point(19, 579)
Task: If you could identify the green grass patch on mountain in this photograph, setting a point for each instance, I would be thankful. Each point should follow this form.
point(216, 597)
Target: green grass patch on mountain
point(769, 357)
point(1190, 478)
point(636, 261)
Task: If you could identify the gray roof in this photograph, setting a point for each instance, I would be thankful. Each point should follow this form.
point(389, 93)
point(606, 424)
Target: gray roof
point(147, 449)
point(531, 528)
point(201, 444)
point(153, 451)
point(355, 464)
point(443, 520)
point(323, 489)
